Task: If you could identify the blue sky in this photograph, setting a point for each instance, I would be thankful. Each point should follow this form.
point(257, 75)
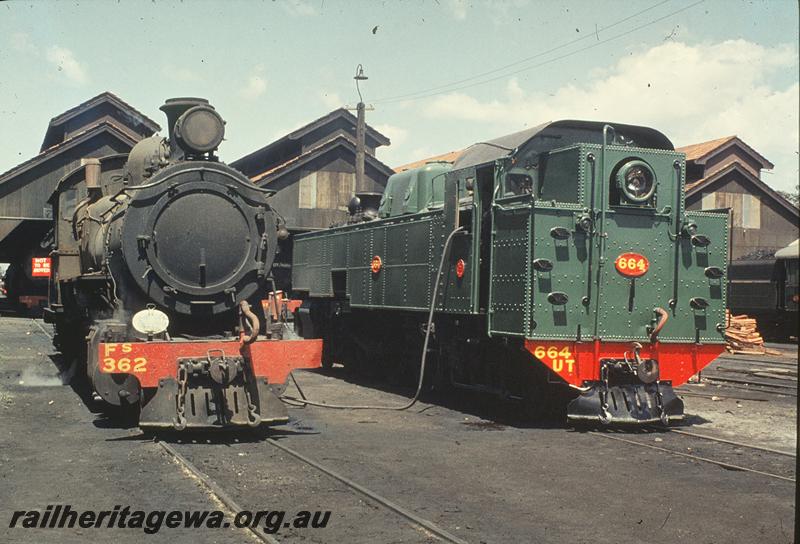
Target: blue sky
point(695, 70)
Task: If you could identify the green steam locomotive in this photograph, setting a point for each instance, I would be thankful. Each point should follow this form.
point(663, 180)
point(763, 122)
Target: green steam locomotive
point(555, 261)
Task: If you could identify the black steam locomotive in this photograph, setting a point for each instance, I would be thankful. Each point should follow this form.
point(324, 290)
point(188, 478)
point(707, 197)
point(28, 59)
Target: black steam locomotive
point(766, 289)
point(159, 256)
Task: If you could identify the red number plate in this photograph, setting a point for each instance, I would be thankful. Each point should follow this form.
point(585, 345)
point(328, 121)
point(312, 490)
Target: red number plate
point(632, 265)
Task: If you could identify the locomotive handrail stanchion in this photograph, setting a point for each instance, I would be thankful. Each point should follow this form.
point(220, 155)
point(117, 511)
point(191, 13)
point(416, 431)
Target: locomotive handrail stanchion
point(601, 239)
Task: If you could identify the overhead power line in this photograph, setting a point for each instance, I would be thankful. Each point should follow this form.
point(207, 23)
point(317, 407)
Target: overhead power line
point(527, 59)
point(454, 86)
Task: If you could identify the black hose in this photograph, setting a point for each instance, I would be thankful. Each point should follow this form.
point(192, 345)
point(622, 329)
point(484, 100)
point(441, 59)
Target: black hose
point(422, 363)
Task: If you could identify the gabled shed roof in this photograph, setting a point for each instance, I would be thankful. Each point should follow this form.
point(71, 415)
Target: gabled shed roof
point(295, 162)
point(54, 137)
point(279, 146)
point(68, 144)
point(706, 182)
point(700, 153)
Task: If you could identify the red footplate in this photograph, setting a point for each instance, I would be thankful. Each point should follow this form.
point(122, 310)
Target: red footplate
point(151, 361)
point(579, 362)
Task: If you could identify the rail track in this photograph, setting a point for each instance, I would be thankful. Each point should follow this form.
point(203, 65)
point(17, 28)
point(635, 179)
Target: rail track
point(784, 388)
point(215, 490)
point(754, 381)
point(222, 496)
point(732, 442)
point(225, 498)
point(768, 461)
point(407, 514)
point(36, 322)
point(759, 376)
point(762, 461)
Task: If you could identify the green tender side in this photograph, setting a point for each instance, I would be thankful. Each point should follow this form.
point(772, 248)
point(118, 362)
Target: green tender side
point(338, 261)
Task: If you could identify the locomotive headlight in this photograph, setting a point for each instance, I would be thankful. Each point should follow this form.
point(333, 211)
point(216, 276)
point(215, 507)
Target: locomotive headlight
point(200, 129)
point(637, 181)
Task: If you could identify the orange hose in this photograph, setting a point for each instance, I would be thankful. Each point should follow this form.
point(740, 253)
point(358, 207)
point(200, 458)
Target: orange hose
point(664, 317)
point(252, 322)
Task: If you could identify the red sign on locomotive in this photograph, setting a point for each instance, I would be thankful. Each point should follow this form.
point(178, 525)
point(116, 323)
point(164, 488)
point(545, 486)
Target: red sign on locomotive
point(40, 267)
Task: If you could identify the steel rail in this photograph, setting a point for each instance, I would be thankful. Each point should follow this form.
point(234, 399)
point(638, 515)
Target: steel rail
point(50, 336)
point(756, 362)
point(424, 523)
point(750, 382)
point(733, 442)
point(695, 457)
point(681, 392)
point(214, 489)
point(781, 374)
point(756, 389)
point(732, 359)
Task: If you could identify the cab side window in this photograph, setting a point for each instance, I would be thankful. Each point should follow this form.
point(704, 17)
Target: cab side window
point(518, 184)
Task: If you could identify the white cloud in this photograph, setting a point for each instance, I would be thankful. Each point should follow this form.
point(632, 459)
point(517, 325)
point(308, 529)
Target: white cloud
point(66, 63)
point(298, 8)
point(330, 99)
point(21, 42)
point(691, 93)
point(396, 134)
point(256, 84)
point(458, 8)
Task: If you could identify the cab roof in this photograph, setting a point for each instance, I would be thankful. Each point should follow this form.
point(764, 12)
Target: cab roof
point(556, 134)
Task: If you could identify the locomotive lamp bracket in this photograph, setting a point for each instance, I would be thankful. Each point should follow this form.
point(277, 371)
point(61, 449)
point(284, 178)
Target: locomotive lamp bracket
point(584, 222)
point(689, 229)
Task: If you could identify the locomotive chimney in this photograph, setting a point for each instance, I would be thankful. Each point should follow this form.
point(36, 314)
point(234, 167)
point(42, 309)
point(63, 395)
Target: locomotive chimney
point(175, 107)
point(92, 172)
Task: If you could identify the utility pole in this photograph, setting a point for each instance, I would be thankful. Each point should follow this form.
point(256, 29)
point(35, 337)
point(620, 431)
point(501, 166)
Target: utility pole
point(361, 129)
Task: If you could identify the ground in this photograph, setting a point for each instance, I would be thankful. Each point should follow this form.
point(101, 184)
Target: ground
point(469, 467)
